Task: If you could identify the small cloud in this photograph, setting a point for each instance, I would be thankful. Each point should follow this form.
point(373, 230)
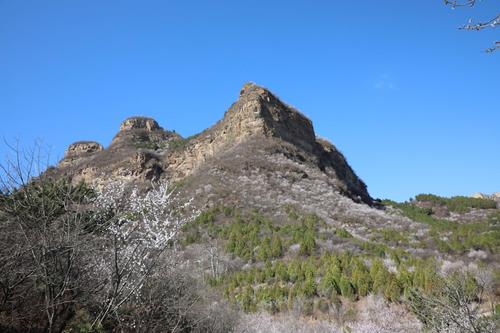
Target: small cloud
point(384, 82)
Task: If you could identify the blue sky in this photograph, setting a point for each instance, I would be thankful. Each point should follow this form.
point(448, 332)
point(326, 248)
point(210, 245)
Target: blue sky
point(411, 100)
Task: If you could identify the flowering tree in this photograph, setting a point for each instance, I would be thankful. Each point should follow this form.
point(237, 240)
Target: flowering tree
point(76, 259)
point(476, 26)
point(141, 228)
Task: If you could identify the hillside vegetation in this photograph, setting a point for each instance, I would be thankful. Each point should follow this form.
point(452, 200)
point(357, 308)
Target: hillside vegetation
point(289, 269)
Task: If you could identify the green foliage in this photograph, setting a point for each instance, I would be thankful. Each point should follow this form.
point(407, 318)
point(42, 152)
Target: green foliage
point(374, 249)
point(338, 274)
point(278, 282)
point(461, 237)
point(307, 235)
point(264, 252)
point(361, 279)
point(251, 237)
point(276, 246)
point(392, 291)
point(346, 288)
point(459, 204)
point(391, 235)
point(379, 277)
point(179, 144)
point(292, 212)
point(308, 243)
point(82, 323)
point(309, 287)
point(148, 145)
point(246, 300)
point(413, 212)
point(45, 200)
point(343, 233)
point(281, 271)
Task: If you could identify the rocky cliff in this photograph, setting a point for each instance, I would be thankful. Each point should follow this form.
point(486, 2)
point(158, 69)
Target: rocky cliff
point(256, 132)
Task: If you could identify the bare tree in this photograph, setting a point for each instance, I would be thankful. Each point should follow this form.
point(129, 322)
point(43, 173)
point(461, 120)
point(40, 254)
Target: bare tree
point(476, 26)
point(455, 308)
point(214, 256)
point(45, 262)
point(20, 164)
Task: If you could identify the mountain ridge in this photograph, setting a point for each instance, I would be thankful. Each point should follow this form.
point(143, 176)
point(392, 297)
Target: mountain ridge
point(143, 151)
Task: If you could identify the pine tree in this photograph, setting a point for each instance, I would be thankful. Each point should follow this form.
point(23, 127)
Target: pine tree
point(361, 280)
point(308, 243)
point(265, 249)
point(329, 283)
point(281, 271)
point(309, 287)
point(392, 291)
point(346, 288)
point(276, 246)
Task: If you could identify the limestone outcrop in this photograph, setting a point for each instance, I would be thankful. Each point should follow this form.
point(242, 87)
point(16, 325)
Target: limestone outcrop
point(258, 123)
point(142, 132)
point(80, 149)
point(146, 123)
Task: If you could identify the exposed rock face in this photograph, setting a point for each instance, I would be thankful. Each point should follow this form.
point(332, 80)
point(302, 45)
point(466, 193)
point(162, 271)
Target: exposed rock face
point(83, 147)
point(135, 154)
point(80, 149)
point(141, 132)
point(258, 123)
point(258, 114)
point(146, 123)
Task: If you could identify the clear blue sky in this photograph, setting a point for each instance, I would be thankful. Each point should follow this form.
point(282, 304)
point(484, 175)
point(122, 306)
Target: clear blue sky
point(411, 101)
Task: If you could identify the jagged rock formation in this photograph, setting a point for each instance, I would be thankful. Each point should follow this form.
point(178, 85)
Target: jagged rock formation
point(142, 132)
point(140, 123)
point(257, 113)
point(255, 131)
point(134, 154)
point(80, 149)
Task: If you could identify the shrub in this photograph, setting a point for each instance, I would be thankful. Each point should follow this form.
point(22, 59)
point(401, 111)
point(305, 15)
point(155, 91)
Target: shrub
point(343, 233)
point(458, 203)
point(281, 271)
point(309, 287)
point(308, 243)
point(452, 309)
point(361, 280)
point(346, 288)
point(330, 282)
point(392, 291)
point(246, 300)
point(276, 247)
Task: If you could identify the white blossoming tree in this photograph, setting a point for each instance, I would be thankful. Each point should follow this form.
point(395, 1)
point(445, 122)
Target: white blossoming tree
point(139, 228)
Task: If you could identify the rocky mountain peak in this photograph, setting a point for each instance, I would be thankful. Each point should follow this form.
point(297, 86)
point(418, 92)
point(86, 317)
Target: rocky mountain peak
point(259, 111)
point(139, 131)
point(83, 147)
point(79, 150)
point(137, 122)
point(259, 134)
